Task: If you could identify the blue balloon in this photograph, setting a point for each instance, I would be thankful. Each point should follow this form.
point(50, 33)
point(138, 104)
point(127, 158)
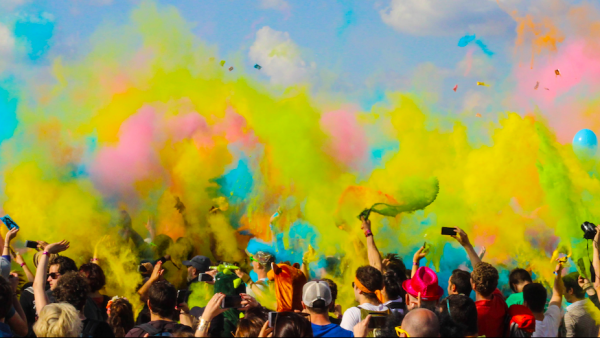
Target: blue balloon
point(585, 143)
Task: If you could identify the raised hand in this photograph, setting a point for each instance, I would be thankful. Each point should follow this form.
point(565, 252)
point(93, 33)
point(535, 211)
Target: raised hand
point(362, 328)
point(213, 308)
point(366, 224)
point(266, 331)
point(462, 237)
point(248, 302)
point(10, 235)
point(157, 272)
point(42, 245)
point(420, 254)
point(57, 247)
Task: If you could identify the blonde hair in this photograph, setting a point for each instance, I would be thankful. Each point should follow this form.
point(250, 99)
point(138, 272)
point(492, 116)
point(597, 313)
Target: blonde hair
point(58, 320)
point(37, 255)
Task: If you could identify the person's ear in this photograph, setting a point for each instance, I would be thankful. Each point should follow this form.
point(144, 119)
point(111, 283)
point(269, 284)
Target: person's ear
point(303, 305)
point(453, 287)
point(148, 303)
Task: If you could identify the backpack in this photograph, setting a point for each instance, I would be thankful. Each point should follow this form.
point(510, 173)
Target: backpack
point(519, 321)
point(152, 331)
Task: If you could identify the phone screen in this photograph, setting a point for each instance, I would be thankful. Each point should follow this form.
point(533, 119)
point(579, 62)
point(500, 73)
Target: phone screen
point(448, 231)
point(204, 277)
point(181, 295)
point(232, 302)
point(10, 224)
point(31, 244)
point(272, 318)
point(377, 321)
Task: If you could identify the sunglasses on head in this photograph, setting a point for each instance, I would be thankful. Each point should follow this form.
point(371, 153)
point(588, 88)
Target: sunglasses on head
point(54, 275)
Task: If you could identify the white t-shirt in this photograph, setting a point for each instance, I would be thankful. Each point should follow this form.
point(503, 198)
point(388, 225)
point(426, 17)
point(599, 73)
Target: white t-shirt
point(352, 315)
point(549, 326)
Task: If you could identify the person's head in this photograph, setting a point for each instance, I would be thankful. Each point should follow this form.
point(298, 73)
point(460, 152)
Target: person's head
point(371, 281)
point(421, 323)
point(460, 283)
point(94, 274)
point(573, 292)
point(120, 316)
point(394, 263)
point(196, 266)
point(458, 315)
point(534, 297)
point(72, 288)
point(37, 255)
point(316, 298)
point(290, 324)
point(162, 299)
point(334, 292)
point(261, 261)
point(393, 285)
point(518, 278)
point(484, 279)
point(6, 297)
point(59, 266)
point(425, 282)
point(252, 323)
point(58, 320)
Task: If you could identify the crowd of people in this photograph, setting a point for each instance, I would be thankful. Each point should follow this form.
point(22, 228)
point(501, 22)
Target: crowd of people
point(61, 299)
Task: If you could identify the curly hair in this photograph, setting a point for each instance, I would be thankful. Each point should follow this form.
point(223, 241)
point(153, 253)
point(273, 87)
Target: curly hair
point(72, 288)
point(485, 277)
point(121, 317)
point(58, 320)
point(94, 274)
point(65, 264)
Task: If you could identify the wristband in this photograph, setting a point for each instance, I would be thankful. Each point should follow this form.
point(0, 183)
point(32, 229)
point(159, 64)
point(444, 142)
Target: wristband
point(46, 253)
point(368, 233)
point(94, 260)
point(204, 325)
point(416, 263)
point(23, 264)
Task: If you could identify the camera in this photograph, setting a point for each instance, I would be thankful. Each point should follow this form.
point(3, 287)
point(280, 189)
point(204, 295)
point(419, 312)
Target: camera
point(589, 230)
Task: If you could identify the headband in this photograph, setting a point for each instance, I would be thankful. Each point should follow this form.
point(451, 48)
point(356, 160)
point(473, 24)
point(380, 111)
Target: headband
point(365, 290)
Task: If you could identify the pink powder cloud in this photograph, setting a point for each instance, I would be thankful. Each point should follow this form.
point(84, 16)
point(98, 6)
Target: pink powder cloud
point(563, 104)
point(348, 143)
point(116, 169)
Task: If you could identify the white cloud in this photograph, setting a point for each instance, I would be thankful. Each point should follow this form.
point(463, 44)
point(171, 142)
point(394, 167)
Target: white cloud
point(279, 57)
point(7, 41)
point(281, 5)
point(12, 4)
point(446, 17)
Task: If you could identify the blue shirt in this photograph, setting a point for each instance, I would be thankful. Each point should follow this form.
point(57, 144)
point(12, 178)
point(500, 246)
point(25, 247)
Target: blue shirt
point(331, 330)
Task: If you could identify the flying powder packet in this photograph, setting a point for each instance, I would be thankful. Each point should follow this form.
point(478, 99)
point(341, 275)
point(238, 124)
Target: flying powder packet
point(257, 66)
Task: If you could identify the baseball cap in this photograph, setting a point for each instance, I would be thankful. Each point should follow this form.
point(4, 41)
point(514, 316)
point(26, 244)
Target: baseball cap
point(201, 263)
point(314, 291)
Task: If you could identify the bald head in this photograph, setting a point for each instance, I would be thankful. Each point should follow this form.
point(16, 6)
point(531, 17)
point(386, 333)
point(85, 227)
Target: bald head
point(421, 323)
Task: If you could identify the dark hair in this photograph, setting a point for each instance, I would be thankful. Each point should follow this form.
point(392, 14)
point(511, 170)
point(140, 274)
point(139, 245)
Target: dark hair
point(121, 317)
point(535, 295)
point(292, 325)
point(72, 288)
point(518, 276)
point(462, 280)
point(333, 288)
point(570, 281)
point(65, 264)
point(162, 297)
point(6, 297)
point(252, 323)
point(393, 285)
point(393, 320)
point(371, 279)
point(485, 277)
point(319, 307)
point(461, 317)
point(94, 274)
point(397, 265)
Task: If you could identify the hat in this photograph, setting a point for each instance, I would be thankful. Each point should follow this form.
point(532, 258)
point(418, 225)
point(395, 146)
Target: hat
point(424, 281)
point(314, 291)
point(201, 263)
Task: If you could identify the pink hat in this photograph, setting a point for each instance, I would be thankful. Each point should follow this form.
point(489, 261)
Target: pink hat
point(425, 281)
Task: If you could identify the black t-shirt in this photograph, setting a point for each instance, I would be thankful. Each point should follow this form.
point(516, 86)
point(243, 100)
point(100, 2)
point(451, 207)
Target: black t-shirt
point(101, 329)
point(27, 301)
point(161, 326)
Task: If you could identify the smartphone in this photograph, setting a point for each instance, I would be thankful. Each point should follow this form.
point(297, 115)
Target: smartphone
point(377, 321)
point(142, 269)
point(31, 244)
point(232, 302)
point(272, 318)
point(10, 224)
point(204, 277)
point(181, 295)
point(448, 231)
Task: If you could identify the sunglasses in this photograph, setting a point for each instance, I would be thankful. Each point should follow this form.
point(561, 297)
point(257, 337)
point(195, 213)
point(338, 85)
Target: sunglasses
point(253, 260)
point(54, 275)
point(400, 331)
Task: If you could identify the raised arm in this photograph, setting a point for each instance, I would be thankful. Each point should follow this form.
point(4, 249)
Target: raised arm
point(10, 235)
point(463, 239)
point(372, 252)
point(558, 289)
point(156, 275)
point(19, 259)
point(420, 254)
point(39, 284)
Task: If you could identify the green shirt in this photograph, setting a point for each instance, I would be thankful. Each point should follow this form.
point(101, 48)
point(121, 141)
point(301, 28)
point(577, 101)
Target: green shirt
point(515, 298)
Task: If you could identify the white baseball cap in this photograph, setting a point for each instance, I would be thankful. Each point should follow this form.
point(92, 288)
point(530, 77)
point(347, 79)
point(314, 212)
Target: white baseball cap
point(314, 291)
